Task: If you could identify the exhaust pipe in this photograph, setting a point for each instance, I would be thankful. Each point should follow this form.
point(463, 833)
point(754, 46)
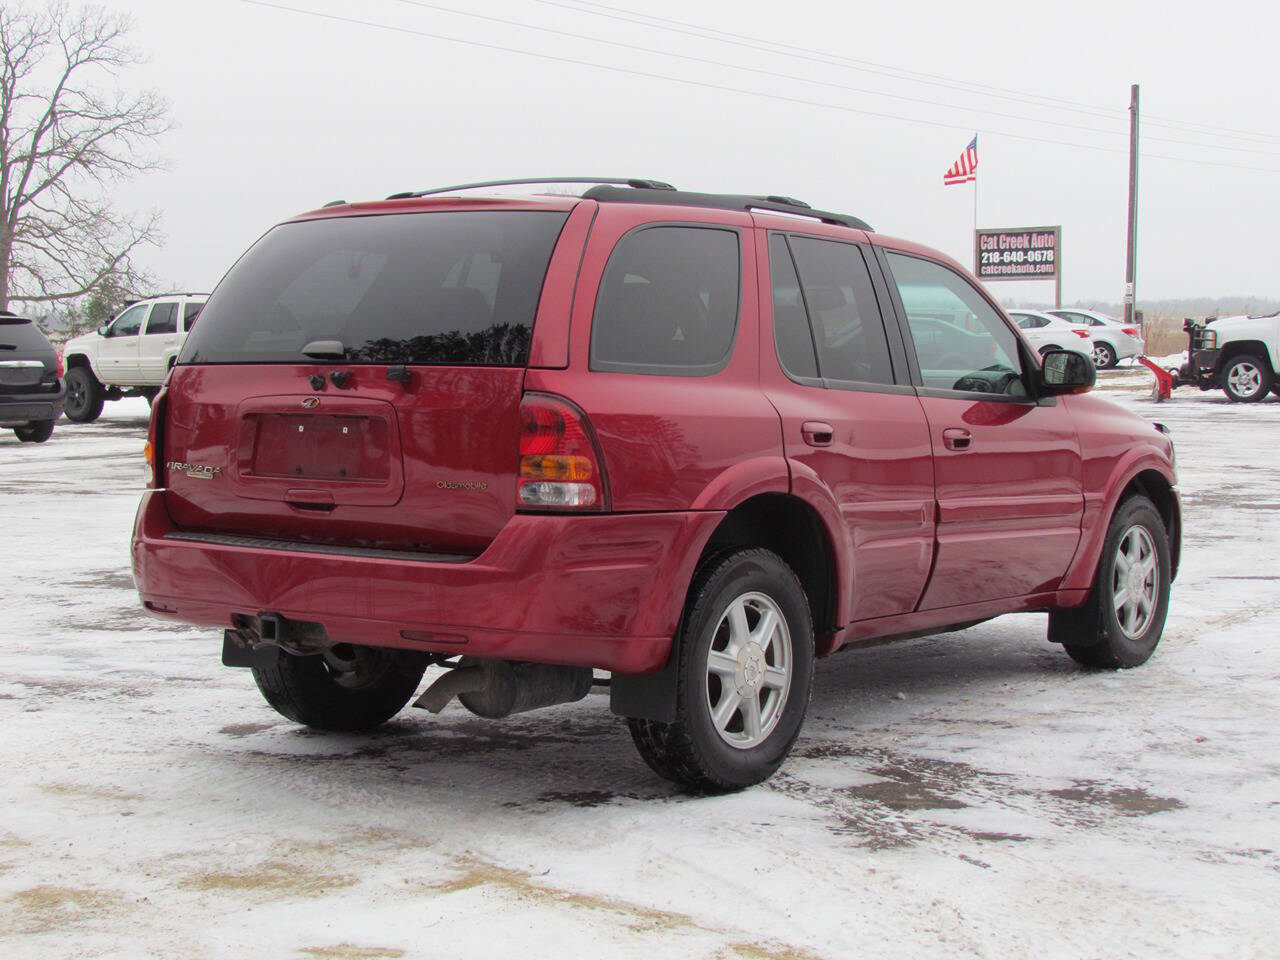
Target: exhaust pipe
point(498, 688)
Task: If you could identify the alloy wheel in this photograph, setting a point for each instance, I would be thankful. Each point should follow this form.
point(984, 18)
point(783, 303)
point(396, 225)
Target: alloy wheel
point(1245, 379)
point(749, 668)
point(1135, 581)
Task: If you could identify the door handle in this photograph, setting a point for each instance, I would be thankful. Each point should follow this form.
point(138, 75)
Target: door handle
point(954, 438)
point(816, 433)
point(309, 499)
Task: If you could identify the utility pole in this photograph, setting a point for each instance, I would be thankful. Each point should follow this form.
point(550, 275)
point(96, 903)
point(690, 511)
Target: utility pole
point(1131, 259)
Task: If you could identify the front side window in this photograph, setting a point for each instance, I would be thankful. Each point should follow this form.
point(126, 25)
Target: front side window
point(668, 302)
point(456, 288)
point(163, 319)
point(843, 311)
point(961, 342)
point(128, 323)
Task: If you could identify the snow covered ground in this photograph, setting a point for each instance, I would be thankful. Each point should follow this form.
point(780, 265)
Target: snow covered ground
point(974, 794)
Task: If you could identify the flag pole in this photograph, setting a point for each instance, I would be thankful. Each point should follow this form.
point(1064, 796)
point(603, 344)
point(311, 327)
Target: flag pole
point(975, 192)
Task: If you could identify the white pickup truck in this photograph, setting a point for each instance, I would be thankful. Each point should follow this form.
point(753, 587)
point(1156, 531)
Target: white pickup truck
point(1239, 355)
point(130, 356)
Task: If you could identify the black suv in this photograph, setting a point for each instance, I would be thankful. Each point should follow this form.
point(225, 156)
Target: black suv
point(31, 389)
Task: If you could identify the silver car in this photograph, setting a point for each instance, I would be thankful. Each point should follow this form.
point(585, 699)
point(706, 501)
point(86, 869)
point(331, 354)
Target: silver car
point(1113, 340)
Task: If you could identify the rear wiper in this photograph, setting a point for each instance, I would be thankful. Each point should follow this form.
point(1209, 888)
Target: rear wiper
point(325, 350)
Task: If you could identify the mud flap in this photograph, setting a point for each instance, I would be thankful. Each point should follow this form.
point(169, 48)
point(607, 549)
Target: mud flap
point(648, 697)
point(242, 650)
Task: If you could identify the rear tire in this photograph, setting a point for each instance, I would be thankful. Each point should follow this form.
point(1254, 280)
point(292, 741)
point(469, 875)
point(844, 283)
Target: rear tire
point(85, 396)
point(1246, 379)
point(1121, 623)
point(1104, 356)
point(744, 678)
point(348, 687)
point(38, 431)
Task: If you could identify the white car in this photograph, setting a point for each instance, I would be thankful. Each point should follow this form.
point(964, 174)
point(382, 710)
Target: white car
point(1113, 340)
point(1047, 332)
point(130, 356)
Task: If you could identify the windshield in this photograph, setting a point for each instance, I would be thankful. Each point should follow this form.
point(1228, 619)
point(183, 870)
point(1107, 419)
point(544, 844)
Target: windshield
point(419, 288)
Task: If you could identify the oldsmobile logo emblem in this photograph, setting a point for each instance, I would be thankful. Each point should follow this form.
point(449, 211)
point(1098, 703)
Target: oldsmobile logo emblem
point(310, 403)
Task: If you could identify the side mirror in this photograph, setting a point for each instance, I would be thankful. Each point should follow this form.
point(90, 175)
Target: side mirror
point(102, 330)
point(1066, 371)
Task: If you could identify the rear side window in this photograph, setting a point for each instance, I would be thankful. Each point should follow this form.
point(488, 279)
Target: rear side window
point(791, 334)
point(190, 311)
point(163, 319)
point(668, 302)
point(843, 310)
point(420, 288)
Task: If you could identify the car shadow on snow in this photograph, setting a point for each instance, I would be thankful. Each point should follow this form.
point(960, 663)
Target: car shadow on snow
point(581, 755)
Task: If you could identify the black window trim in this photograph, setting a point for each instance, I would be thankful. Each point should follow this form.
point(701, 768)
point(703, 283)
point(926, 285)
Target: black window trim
point(905, 328)
point(657, 369)
point(897, 365)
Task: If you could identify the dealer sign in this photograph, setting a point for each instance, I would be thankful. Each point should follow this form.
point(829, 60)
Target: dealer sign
point(1017, 253)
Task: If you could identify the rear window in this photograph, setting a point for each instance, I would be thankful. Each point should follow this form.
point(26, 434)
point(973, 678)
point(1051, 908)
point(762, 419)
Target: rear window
point(19, 333)
point(668, 302)
point(422, 288)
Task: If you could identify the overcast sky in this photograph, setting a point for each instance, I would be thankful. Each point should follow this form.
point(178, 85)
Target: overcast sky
point(279, 112)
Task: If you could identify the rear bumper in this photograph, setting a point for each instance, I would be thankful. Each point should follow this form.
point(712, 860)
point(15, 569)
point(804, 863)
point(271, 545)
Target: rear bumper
point(1127, 347)
point(598, 591)
point(22, 408)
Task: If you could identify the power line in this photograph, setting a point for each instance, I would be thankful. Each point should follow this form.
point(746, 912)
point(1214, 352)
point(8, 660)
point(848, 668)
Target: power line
point(724, 88)
point(423, 4)
point(747, 69)
point(889, 70)
point(817, 56)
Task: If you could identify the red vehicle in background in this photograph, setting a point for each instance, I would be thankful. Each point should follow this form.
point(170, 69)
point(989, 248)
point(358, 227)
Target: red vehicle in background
point(697, 441)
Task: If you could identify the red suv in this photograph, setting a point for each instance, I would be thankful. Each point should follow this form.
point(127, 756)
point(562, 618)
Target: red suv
point(696, 441)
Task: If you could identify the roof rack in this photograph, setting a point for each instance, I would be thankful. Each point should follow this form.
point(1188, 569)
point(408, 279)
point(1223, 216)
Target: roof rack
point(772, 203)
point(638, 190)
point(157, 296)
point(633, 182)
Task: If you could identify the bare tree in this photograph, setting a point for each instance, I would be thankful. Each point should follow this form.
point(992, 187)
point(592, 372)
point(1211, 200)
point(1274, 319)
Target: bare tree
point(67, 135)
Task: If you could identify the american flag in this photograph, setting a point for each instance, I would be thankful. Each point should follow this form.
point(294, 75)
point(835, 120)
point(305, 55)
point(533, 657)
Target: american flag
point(964, 170)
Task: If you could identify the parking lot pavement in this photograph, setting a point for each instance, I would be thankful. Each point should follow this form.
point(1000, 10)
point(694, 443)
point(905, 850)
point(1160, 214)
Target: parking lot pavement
point(969, 794)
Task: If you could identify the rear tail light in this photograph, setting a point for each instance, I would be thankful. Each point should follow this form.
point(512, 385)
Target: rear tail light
point(1131, 331)
point(560, 462)
point(155, 432)
point(58, 355)
point(1081, 332)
